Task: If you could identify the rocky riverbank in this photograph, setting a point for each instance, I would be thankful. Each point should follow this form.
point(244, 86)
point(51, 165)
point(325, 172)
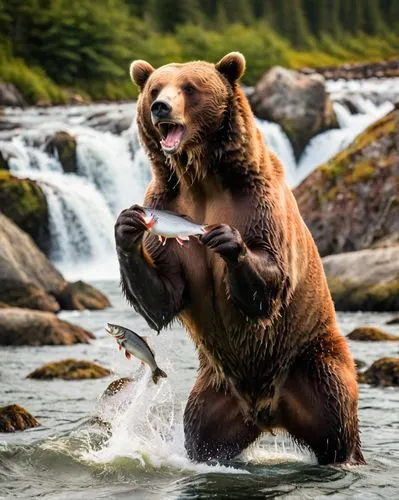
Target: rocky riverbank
point(360, 71)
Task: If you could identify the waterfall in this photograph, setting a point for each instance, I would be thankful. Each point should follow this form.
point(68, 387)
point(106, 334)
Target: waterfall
point(113, 170)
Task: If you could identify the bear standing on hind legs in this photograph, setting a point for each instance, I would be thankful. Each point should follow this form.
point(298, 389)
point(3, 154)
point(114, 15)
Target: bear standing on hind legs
point(251, 291)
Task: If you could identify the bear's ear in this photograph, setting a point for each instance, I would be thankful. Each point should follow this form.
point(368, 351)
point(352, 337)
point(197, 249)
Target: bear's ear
point(140, 71)
point(232, 66)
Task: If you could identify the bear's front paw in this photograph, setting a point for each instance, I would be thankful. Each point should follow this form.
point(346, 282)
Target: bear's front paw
point(225, 240)
point(129, 228)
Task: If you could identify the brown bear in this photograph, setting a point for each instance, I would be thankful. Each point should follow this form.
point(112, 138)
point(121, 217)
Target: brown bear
point(251, 291)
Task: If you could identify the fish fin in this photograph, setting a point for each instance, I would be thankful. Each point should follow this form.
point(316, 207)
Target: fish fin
point(157, 373)
point(119, 346)
point(185, 238)
point(179, 241)
point(162, 239)
point(150, 224)
point(127, 354)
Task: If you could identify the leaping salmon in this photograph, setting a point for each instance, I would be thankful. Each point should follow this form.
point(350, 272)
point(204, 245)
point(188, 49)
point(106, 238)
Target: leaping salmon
point(135, 345)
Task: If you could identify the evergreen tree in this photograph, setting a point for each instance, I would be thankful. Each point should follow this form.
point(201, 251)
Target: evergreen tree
point(373, 20)
point(168, 14)
point(291, 22)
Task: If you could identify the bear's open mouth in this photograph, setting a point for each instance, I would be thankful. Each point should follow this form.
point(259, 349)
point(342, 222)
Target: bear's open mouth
point(172, 134)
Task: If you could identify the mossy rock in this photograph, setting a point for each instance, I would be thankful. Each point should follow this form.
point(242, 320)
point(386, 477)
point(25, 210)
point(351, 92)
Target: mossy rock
point(371, 334)
point(351, 202)
point(383, 372)
point(70, 369)
point(63, 146)
point(116, 386)
point(80, 295)
point(349, 296)
point(23, 201)
point(15, 418)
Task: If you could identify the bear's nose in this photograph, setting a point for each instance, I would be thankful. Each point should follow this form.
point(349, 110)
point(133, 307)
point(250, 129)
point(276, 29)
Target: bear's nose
point(161, 109)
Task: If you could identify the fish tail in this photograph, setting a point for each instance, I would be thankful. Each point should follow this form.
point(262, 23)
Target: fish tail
point(157, 373)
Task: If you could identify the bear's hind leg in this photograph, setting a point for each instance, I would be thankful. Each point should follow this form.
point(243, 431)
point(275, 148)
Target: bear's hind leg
point(214, 425)
point(318, 405)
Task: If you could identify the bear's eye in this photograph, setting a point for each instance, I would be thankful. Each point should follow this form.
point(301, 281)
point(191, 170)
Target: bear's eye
point(188, 89)
point(154, 92)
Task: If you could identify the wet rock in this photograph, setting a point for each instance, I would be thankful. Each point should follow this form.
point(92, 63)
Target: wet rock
point(23, 201)
point(359, 364)
point(80, 295)
point(70, 369)
point(393, 321)
point(367, 280)
point(383, 372)
point(116, 386)
point(15, 418)
point(35, 328)
point(10, 95)
point(114, 121)
point(63, 146)
point(371, 333)
point(300, 104)
point(29, 279)
point(351, 202)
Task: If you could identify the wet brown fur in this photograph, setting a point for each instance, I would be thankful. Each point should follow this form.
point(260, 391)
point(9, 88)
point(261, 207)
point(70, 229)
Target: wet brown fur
point(268, 359)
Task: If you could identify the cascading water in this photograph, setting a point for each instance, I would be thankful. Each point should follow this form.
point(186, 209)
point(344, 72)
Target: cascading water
point(113, 171)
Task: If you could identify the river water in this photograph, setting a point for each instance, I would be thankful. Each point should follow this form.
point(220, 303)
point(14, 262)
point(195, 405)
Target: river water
point(67, 457)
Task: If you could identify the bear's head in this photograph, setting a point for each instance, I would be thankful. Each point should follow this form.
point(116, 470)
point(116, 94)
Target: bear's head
point(181, 106)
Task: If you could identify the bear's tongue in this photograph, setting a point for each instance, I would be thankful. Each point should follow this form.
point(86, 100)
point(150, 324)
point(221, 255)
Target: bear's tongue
point(173, 136)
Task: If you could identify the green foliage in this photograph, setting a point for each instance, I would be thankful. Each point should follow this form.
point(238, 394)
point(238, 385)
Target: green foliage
point(32, 82)
point(254, 42)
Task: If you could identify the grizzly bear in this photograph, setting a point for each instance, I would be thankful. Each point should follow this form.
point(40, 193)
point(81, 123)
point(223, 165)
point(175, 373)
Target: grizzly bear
point(251, 291)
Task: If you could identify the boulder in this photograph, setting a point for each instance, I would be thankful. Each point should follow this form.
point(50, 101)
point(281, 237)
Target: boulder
point(10, 95)
point(23, 201)
point(15, 418)
point(63, 146)
point(351, 202)
point(367, 280)
point(299, 103)
point(69, 369)
point(35, 328)
point(383, 372)
point(28, 279)
point(371, 333)
point(79, 295)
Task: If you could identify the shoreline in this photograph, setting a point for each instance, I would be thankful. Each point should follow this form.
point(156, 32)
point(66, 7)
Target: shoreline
point(357, 71)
